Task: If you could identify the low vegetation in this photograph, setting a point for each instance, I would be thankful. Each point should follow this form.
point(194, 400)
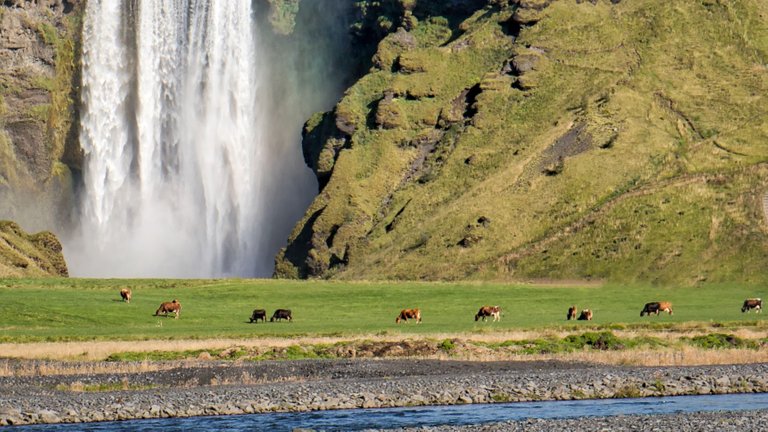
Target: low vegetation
point(457, 348)
point(723, 340)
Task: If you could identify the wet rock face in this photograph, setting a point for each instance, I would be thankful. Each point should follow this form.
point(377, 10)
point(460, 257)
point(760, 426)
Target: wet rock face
point(26, 136)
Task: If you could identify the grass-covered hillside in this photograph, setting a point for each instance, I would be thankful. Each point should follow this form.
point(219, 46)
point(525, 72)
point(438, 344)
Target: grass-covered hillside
point(29, 255)
point(624, 140)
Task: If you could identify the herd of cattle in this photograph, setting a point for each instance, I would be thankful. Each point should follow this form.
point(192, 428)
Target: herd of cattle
point(485, 312)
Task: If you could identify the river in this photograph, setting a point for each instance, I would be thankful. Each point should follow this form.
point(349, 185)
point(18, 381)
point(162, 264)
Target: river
point(361, 419)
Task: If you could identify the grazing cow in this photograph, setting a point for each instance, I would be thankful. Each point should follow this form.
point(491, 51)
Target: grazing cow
point(571, 313)
point(489, 311)
point(752, 303)
point(407, 314)
point(125, 293)
point(259, 314)
point(656, 307)
point(586, 315)
point(281, 314)
point(169, 307)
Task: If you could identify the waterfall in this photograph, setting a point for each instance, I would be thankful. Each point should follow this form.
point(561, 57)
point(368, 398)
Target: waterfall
point(176, 142)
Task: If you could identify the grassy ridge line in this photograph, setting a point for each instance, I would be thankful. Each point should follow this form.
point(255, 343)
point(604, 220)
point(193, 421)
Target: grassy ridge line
point(81, 309)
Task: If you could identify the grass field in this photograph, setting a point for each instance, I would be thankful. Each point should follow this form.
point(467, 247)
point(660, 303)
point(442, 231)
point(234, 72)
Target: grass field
point(33, 310)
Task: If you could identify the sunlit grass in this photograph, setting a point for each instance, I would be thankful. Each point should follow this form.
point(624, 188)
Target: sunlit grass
point(83, 310)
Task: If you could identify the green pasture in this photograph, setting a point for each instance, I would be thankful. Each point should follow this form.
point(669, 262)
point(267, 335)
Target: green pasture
point(80, 309)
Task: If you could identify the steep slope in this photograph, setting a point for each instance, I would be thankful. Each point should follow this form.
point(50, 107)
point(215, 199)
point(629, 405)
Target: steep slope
point(547, 139)
point(29, 255)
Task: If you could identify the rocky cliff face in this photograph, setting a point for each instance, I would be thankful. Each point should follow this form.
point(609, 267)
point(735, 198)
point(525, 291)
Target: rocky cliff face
point(39, 44)
point(545, 139)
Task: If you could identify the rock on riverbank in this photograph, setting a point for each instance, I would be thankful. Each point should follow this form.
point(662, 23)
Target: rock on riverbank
point(230, 388)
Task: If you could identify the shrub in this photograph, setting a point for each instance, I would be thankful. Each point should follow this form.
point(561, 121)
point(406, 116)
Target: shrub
point(447, 345)
point(721, 341)
point(600, 341)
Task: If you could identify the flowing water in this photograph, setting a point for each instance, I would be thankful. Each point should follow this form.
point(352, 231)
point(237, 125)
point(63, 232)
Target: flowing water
point(177, 142)
point(389, 418)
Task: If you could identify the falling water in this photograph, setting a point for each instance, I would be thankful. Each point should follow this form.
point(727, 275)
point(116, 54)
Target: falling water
point(174, 141)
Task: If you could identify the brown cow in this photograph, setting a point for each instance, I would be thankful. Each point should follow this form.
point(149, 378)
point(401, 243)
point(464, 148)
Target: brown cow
point(656, 307)
point(586, 315)
point(752, 303)
point(125, 293)
point(168, 307)
point(571, 313)
point(487, 311)
point(407, 314)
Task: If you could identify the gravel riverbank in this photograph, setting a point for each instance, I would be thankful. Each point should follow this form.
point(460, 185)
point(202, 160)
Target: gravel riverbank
point(728, 421)
point(219, 388)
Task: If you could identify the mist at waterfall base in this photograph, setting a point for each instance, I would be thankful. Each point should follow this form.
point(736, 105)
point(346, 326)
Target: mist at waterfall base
point(191, 128)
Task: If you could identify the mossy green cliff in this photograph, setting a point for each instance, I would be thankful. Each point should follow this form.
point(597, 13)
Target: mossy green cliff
point(29, 255)
point(622, 140)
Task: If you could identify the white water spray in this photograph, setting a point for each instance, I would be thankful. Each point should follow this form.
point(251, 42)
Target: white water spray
point(174, 141)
